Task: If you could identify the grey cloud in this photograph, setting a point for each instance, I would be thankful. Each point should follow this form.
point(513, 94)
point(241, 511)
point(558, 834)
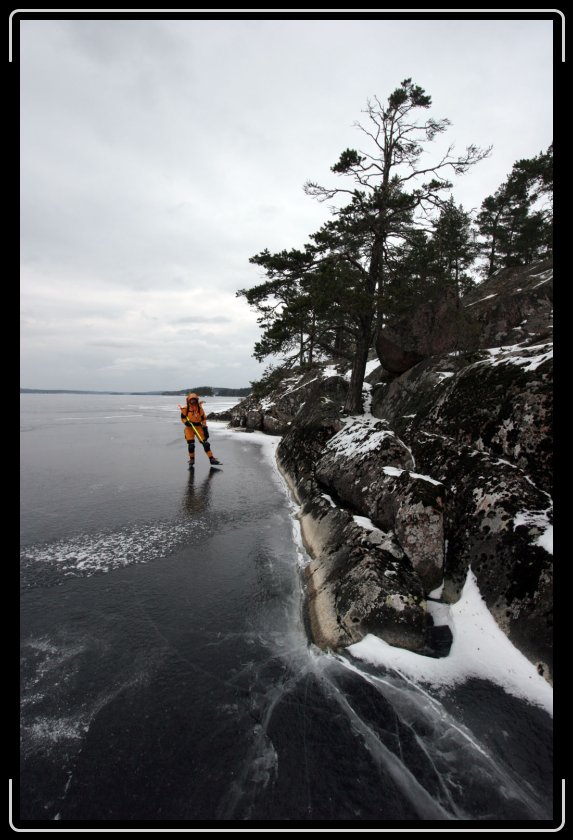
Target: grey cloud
point(158, 156)
point(121, 343)
point(206, 319)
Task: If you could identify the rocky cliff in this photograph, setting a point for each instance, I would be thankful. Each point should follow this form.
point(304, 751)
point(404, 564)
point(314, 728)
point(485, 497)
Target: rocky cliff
point(511, 306)
point(450, 467)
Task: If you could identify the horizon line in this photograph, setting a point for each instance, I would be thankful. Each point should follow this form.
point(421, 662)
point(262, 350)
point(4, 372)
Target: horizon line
point(126, 392)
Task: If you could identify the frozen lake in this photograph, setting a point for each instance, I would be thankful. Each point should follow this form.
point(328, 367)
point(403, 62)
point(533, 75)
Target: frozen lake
point(166, 674)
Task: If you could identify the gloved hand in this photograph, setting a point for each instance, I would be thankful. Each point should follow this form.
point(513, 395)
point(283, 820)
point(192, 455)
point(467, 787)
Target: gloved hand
point(183, 416)
point(205, 433)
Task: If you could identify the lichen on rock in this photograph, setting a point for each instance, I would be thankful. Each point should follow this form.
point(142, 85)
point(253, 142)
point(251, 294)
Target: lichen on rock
point(449, 469)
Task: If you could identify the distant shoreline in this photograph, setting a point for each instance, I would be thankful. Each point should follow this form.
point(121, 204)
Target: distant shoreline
point(203, 392)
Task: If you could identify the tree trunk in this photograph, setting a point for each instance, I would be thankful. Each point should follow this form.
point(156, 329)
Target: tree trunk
point(492, 255)
point(311, 339)
point(493, 250)
point(353, 403)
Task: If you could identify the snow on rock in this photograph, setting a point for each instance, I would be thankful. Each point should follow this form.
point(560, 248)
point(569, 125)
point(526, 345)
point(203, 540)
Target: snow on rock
point(370, 569)
point(546, 276)
point(527, 356)
point(274, 413)
point(396, 472)
point(349, 592)
point(369, 468)
point(328, 499)
point(367, 398)
point(366, 523)
point(358, 439)
point(499, 401)
point(538, 524)
point(487, 297)
point(479, 649)
point(371, 366)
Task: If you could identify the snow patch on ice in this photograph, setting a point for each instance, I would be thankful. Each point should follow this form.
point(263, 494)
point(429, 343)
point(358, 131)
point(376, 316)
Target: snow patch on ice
point(479, 649)
point(55, 730)
point(90, 553)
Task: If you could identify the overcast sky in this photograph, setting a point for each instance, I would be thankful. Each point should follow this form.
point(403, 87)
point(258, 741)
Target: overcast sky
point(158, 156)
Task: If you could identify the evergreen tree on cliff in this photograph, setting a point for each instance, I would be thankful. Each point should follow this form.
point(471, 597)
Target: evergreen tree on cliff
point(282, 304)
point(516, 222)
point(391, 190)
point(428, 265)
point(308, 304)
point(455, 249)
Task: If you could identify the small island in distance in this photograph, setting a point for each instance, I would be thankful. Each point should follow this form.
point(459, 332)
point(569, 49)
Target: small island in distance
point(202, 391)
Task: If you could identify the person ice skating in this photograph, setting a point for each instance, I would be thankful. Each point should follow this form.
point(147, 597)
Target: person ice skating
point(195, 421)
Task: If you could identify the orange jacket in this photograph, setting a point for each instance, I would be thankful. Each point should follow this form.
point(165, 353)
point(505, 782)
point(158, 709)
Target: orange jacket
point(195, 413)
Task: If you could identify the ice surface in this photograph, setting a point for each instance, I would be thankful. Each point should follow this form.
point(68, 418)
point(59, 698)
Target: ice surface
point(268, 444)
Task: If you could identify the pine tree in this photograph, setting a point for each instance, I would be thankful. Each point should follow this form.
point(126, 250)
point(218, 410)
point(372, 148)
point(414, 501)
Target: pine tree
point(307, 305)
point(377, 255)
point(454, 249)
point(409, 277)
point(516, 222)
point(391, 188)
point(283, 314)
